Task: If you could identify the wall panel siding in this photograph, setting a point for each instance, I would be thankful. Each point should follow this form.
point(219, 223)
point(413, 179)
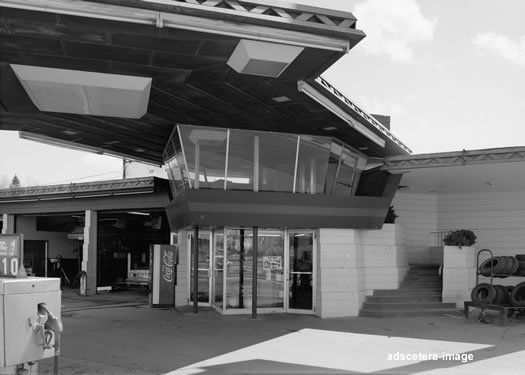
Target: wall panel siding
point(497, 218)
point(418, 216)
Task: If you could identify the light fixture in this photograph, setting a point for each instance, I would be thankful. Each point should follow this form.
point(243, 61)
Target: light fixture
point(70, 132)
point(281, 99)
point(330, 128)
point(262, 58)
point(137, 213)
point(85, 93)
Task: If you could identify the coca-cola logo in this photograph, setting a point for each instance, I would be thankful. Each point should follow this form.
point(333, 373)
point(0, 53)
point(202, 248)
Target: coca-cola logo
point(167, 266)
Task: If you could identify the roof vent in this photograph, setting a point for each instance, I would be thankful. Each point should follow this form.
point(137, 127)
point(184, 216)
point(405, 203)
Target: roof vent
point(262, 58)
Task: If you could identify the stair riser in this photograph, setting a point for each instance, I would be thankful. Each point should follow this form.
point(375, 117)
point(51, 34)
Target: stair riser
point(407, 306)
point(402, 314)
point(423, 277)
point(407, 292)
point(416, 286)
point(423, 267)
point(403, 299)
point(424, 270)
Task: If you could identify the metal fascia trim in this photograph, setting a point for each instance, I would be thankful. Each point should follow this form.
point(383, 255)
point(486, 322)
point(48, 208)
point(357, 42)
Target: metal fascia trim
point(81, 147)
point(180, 21)
point(310, 91)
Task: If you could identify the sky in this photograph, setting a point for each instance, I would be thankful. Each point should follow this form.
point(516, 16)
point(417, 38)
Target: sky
point(450, 73)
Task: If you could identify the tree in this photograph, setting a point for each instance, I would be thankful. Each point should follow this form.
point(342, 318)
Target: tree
point(15, 183)
point(4, 182)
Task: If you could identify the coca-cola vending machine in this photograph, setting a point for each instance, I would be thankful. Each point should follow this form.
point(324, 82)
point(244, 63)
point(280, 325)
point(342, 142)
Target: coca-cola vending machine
point(163, 261)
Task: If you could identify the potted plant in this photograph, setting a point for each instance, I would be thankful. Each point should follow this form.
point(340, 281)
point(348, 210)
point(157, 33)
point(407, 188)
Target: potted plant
point(460, 238)
point(391, 216)
point(459, 251)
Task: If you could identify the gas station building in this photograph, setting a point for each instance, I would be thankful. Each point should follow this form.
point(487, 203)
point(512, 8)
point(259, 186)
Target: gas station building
point(276, 196)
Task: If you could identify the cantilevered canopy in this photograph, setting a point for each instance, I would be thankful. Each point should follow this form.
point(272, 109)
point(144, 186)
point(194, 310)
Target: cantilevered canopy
point(184, 47)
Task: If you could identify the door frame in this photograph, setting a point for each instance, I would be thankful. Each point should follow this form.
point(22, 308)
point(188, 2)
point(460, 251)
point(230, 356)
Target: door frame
point(287, 308)
point(286, 272)
point(209, 233)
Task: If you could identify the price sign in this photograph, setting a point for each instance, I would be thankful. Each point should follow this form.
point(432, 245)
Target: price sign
point(10, 254)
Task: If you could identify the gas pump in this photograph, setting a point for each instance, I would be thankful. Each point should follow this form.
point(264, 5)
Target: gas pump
point(30, 324)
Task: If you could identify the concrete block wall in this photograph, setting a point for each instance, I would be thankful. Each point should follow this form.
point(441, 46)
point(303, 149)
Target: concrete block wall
point(351, 263)
point(340, 275)
point(181, 286)
point(385, 257)
point(459, 274)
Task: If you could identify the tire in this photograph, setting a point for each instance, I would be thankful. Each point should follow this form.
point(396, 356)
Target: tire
point(484, 293)
point(517, 297)
point(506, 269)
point(521, 269)
point(510, 265)
point(514, 267)
point(498, 266)
point(502, 296)
point(520, 257)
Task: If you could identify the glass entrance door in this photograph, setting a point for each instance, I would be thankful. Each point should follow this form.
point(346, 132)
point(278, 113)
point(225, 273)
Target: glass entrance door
point(205, 272)
point(301, 252)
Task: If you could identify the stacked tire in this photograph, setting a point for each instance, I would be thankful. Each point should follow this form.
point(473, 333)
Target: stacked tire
point(493, 294)
point(521, 264)
point(517, 296)
point(503, 266)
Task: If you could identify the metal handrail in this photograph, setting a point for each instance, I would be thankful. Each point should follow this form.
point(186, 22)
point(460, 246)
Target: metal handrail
point(478, 264)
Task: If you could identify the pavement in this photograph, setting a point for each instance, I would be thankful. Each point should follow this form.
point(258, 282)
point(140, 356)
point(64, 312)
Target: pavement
point(118, 333)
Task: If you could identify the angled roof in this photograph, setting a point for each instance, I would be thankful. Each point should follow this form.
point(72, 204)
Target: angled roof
point(144, 185)
point(183, 46)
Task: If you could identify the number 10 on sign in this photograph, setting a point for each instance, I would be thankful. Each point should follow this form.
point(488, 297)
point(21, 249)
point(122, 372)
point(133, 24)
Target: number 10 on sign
point(10, 266)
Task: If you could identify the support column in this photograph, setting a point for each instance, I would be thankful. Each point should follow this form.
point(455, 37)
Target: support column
point(8, 226)
point(256, 163)
point(196, 269)
point(241, 270)
point(89, 251)
point(255, 247)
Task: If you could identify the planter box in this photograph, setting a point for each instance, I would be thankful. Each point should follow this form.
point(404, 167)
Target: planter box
point(455, 257)
point(459, 267)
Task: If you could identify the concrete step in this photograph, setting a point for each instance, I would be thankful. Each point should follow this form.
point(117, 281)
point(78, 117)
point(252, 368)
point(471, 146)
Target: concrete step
point(425, 282)
point(404, 314)
point(404, 306)
point(429, 282)
point(404, 298)
point(407, 292)
point(420, 286)
point(414, 266)
point(424, 273)
point(423, 276)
